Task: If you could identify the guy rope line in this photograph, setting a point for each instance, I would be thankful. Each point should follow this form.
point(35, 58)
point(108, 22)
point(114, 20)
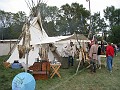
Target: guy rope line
point(65, 81)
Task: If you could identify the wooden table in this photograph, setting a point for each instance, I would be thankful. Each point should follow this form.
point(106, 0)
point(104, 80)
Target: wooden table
point(55, 70)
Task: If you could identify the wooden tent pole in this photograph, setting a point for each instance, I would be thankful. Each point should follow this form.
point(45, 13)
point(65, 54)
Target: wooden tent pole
point(27, 55)
point(80, 60)
point(78, 67)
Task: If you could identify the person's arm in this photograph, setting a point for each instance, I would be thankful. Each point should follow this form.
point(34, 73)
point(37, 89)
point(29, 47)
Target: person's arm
point(91, 51)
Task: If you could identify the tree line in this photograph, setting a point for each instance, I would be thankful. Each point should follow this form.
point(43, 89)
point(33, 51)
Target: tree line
point(65, 21)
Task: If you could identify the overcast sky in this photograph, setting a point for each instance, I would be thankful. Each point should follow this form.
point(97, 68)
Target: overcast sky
point(20, 5)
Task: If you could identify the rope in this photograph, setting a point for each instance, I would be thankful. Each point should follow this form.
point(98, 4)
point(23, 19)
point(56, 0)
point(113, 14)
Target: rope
point(53, 88)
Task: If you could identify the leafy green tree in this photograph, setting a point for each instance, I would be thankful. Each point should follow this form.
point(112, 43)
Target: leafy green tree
point(117, 16)
point(64, 21)
point(19, 17)
point(114, 37)
point(5, 18)
point(61, 26)
point(112, 15)
point(98, 24)
point(75, 17)
point(11, 24)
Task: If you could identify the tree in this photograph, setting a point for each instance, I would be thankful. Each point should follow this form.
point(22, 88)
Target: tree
point(75, 17)
point(64, 21)
point(112, 15)
point(19, 17)
point(98, 24)
point(117, 17)
point(114, 37)
point(11, 24)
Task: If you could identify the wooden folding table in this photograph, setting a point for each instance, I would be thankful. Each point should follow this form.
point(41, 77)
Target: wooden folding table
point(55, 70)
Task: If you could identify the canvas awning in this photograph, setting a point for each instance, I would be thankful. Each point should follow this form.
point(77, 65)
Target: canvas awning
point(62, 38)
point(53, 39)
point(76, 37)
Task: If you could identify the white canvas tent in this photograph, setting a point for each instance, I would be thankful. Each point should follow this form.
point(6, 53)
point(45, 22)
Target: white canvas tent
point(39, 39)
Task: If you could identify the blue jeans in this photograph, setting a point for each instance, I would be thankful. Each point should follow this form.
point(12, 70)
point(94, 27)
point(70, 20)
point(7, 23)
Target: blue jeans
point(109, 62)
point(70, 60)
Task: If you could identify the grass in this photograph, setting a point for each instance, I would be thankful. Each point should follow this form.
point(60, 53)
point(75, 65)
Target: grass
point(84, 80)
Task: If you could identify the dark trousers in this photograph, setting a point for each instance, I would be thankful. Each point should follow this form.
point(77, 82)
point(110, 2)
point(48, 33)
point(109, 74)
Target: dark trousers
point(70, 60)
point(93, 65)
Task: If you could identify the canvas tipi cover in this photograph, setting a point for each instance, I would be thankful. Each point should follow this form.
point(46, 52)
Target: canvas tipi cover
point(37, 34)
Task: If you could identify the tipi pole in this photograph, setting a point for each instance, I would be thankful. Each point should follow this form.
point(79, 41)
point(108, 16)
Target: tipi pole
point(78, 67)
point(27, 55)
point(80, 47)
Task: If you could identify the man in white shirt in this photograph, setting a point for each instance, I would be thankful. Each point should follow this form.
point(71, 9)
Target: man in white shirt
point(71, 50)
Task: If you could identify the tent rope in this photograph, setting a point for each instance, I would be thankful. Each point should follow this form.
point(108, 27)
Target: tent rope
point(65, 81)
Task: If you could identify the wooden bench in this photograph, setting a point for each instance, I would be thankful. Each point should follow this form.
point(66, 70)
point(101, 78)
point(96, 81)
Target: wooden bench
point(41, 70)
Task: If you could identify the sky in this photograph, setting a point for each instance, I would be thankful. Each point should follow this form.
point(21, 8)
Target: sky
point(20, 5)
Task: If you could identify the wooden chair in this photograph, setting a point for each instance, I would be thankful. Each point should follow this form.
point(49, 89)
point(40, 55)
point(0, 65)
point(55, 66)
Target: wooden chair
point(41, 70)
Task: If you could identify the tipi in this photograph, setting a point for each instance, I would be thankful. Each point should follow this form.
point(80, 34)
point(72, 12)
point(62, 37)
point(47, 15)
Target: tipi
point(37, 34)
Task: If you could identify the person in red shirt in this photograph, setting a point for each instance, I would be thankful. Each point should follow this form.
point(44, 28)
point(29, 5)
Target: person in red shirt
point(109, 55)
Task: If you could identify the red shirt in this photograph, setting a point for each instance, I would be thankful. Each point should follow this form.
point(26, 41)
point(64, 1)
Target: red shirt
point(109, 51)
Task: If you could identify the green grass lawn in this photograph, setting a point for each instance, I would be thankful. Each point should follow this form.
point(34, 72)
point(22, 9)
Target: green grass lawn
point(84, 80)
